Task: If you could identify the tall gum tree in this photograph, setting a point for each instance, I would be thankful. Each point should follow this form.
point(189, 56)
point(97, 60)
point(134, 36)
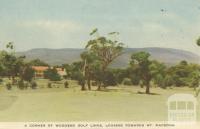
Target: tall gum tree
point(106, 50)
point(140, 60)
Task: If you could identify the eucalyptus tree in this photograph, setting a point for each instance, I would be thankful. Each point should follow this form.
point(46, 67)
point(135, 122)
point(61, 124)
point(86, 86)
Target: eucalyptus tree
point(105, 49)
point(140, 61)
point(10, 62)
point(88, 58)
point(158, 72)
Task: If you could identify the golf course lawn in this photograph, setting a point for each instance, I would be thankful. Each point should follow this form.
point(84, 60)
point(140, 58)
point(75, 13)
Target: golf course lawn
point(121, 103)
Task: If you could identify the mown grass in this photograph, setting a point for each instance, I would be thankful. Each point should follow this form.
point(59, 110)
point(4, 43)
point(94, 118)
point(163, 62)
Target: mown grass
point(120, 103)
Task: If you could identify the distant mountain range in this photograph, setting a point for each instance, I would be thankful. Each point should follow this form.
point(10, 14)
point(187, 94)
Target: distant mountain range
point(168, 56)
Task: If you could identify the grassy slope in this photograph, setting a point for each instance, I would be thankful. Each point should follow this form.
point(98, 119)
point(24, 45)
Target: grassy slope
point(60, 104)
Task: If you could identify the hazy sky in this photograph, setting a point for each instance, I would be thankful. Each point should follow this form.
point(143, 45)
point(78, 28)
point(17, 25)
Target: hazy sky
point(67, 23)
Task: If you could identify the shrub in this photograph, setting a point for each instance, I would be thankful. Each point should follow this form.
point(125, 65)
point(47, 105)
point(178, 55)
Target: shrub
point(52, 75)
point(66, 84)
point(8, 86)
point(134, 79)
point(82, 83)
point(159, 80)
point(168, 81)
point(76, 75)
point(141, 83)
point(109, 79)
point(28, 74)
point(21, 84)
point(26, 85)
point(127, 81)
point(49, 85)
point(33, 85)
point(1, 80)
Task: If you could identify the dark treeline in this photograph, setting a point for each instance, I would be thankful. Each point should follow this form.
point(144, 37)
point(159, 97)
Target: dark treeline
point(155, 74)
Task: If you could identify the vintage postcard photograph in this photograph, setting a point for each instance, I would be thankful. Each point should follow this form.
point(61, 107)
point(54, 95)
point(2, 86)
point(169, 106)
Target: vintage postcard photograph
point(98, 64)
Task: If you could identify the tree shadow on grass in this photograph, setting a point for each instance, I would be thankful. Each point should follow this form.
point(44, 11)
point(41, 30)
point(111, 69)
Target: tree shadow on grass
point(124, 90)
point(107, 90)
point(139, 92)
point(116, 90)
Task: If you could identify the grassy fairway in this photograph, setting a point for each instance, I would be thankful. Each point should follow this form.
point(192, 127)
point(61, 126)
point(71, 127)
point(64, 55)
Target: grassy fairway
point(60, 104)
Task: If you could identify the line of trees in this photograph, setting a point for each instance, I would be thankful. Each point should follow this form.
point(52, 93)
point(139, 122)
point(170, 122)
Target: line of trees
point(101, 51)
point(13, 66)
point(93, 68)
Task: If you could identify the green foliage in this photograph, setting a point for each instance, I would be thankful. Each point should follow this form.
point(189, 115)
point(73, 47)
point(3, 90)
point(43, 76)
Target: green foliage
point(27, 74)
point(68, 69)
point(26, 85)
point(159, 80)
point(184, 74)
point(141, 62)
point(198, 41)
point(141, 83)
point(120, 74)
point(77, 66)
point(10, 64)
point(72, 69)
point(158, 72)
point(37, 62)
point(97, 73)
point(76, 75)
point(10, 45)
point(49, 85)
point(102, 50)
point(52, 75)
point(109, 79)
point(8, 86)
point(66, 84)
point(168, 81)
point(34, 85)
point(194, 79)
point(106, 50)
point(81, 80)
point(140, 58)
point(1, 67)
point(127, 81)
point(21, 84)
point(1, 80)
point(135, 79)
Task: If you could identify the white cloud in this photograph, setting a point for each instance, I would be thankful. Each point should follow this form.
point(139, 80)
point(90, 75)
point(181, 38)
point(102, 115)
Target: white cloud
point(167, 30)
point(53, 25)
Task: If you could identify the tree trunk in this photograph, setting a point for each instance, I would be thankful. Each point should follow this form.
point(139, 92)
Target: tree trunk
point(83, 87)
point(99, 86)
point(88, 83)
point(13, 80)
point(147, 88)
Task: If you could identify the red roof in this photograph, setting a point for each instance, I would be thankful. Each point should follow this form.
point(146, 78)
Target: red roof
point(43, 68)
point(40, 68)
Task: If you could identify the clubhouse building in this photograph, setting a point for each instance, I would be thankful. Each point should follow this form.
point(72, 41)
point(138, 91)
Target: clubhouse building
point(39, 71)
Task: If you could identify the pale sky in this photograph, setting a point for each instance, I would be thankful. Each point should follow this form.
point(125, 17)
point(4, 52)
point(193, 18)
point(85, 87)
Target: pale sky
point(67, 23)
